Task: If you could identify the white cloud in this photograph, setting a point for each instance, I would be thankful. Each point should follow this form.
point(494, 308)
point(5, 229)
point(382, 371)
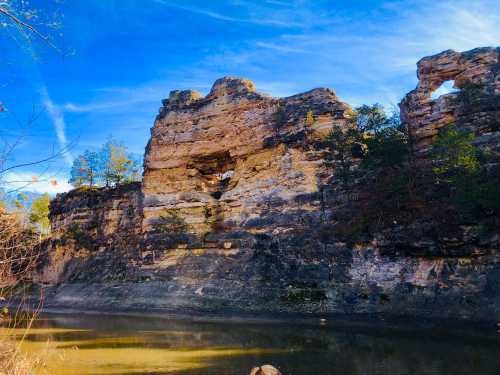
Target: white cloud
point(118, 99)
point(122, 99)
point(33, 182)
point(57, 119)
point(367, 58)
point(99, 106)
point(254, 14)
point(106, 105)
point(280, 48)
point(276, 88)
point(435, 26)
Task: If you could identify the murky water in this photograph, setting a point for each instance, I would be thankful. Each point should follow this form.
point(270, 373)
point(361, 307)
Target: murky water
point(123, 345)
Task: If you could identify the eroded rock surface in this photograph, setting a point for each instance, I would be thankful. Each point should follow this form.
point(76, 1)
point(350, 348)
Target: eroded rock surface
point(94, 232)
point(476, 105)
point(221, 160)
point(239, 208)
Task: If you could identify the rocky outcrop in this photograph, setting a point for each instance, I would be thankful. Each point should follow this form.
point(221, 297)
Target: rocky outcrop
point(239, 211)
point(93, 232)
point(221, 160)
point(476, 105)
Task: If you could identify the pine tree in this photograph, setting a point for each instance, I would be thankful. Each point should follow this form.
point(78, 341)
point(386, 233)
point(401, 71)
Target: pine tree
point(92, 160)
point(79, 175)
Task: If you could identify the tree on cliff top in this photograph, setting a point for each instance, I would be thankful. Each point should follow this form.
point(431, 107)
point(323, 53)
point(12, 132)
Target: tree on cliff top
point(110, 166)
point(85, 169)
point(117, 164)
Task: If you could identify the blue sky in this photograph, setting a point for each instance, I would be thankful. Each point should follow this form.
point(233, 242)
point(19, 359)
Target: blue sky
point(129, 54)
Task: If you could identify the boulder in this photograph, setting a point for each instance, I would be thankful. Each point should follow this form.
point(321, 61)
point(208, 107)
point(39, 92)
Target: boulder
point(265, 370)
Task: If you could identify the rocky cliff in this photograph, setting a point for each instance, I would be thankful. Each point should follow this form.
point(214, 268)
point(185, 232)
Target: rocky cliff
point(476, 104)
point(239, 210)
point(94, 232)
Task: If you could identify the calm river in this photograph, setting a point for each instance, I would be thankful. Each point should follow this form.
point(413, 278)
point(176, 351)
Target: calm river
point(77, 345)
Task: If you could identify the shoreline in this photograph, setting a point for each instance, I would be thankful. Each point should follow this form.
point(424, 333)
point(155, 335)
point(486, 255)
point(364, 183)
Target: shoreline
point(369, 323)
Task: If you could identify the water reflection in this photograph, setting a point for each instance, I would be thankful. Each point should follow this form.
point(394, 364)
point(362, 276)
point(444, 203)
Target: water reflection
point(87, 345)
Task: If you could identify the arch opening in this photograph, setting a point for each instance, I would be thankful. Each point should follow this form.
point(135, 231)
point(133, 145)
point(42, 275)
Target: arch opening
point(447, 87)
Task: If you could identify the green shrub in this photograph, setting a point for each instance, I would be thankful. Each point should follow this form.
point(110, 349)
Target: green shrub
point(462, 167)
point(387, 148)
point(171, 222)
point(341, 144)
point(470, 94)
point(454, 153)
point(79, 235)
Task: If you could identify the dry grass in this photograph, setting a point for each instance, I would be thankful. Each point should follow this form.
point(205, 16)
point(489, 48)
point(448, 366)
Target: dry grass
point(14, 362)
point(18, 255)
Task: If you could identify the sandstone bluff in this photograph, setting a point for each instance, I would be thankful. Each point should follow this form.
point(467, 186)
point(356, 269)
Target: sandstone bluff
point(237, 212)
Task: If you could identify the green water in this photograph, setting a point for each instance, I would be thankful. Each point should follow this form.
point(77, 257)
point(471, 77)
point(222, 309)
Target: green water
point(78, 345)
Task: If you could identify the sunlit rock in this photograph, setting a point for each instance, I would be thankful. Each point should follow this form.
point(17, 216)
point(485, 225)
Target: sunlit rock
point(265, 370)
point(476, 105)
point(240, 210)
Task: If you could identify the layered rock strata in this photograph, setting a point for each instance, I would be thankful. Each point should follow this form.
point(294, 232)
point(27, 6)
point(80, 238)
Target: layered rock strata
point(475, 105)
point(94, 232)
point(239, 208)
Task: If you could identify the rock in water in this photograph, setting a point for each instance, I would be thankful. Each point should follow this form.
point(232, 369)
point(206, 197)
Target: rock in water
point(265, 370)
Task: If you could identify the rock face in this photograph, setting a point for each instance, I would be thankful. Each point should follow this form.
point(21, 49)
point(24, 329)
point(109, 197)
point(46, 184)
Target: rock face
point(222, 160)
point(239, 208)
point(476, 106)
point(93, 231)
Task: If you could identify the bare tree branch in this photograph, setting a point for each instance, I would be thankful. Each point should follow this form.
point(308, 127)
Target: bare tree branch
point(29, 27)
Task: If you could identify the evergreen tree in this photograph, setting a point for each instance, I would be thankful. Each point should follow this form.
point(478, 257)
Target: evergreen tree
point(341, 144)
point(79, 172)
point(463, 167)
point(371, 118)
point(92, 160)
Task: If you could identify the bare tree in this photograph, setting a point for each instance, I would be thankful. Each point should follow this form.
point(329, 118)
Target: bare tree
point(19, 244)
point(26, 20)
point(22, 16)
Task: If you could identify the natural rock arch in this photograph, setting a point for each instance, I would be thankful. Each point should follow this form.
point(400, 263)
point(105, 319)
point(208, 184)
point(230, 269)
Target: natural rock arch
point(425, 116)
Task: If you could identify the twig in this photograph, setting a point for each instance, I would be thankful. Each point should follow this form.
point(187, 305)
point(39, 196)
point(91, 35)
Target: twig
point(31, 28)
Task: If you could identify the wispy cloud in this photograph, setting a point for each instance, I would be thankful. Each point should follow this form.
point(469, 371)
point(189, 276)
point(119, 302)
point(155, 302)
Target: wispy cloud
point(280, 48)
point(57, 119)
point(99, 106)
point(370, 58)
point(113, 99)
point(276, 19)
point(277, 2)
point(133, 98)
